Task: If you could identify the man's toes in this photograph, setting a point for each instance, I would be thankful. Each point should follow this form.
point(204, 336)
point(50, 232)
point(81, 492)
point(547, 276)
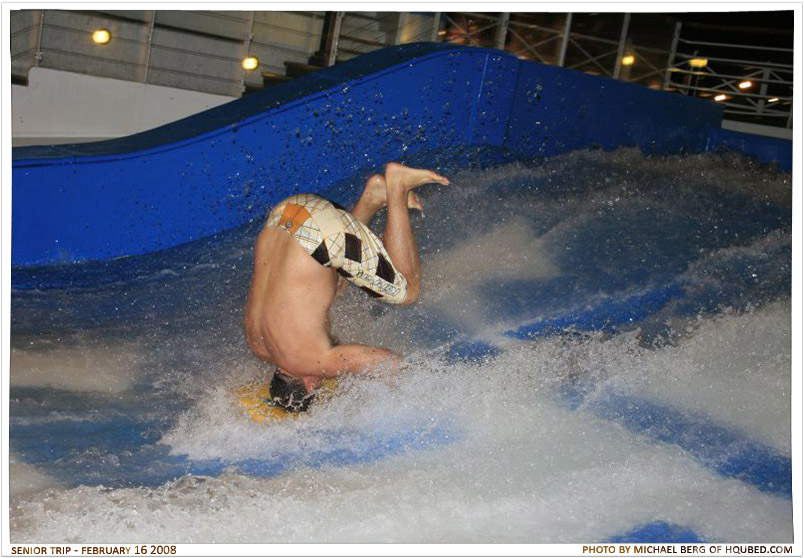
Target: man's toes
point(435, 177)
point(413, 202)
point(440, 179)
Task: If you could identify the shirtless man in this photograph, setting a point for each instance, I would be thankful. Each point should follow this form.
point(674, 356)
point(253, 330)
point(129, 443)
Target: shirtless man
point(305, 241)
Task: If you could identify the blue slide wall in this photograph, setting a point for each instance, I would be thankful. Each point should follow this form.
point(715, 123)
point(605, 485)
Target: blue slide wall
point(221, 168)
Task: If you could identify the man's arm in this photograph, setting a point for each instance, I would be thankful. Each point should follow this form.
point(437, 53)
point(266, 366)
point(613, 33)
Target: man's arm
point(354, 359)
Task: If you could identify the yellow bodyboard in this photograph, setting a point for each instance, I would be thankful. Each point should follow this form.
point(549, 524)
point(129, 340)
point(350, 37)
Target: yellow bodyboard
point(255, 398)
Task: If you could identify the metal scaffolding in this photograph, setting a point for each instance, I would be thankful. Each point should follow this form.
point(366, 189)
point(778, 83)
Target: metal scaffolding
point(204, 50)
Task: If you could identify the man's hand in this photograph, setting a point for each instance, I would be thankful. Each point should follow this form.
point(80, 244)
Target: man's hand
point(340, 285)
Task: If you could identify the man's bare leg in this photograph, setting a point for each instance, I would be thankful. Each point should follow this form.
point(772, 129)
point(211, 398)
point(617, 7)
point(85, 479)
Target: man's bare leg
point(395, 190)
point(398, 237)
point(371, 200)
point(375, 197)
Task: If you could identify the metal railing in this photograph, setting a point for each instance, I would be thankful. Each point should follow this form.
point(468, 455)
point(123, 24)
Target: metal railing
point(204, 50)
point(750, 86)
point(765, 96)
point(544, 44)
point(557, 44)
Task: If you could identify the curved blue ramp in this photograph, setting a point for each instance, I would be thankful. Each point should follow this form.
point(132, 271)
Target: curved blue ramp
point(221, 168)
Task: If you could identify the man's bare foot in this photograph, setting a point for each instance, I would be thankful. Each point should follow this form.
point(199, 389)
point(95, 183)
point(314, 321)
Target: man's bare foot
point(375, 193)
point(401, 177)
point(414, 203)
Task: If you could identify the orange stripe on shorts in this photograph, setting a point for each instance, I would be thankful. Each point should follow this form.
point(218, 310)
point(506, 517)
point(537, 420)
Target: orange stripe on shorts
point(293, 217)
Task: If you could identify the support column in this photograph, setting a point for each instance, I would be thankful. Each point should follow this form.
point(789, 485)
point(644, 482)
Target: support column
point(336, 36)
point(621, 48)
point(328, 51)
point(565, 39)
point(401, 22)
point(671, 59)
point(436, 27)
point(38, 55)
point(150, 41)
point(502, 30)
point(763, 90)
point(246, 49)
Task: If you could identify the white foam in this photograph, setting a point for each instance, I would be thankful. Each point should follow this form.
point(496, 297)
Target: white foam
point(28, 479)
point(527, 469)
point(107, 367)
point(506, 252)
point(735, 371)
point(522, 465)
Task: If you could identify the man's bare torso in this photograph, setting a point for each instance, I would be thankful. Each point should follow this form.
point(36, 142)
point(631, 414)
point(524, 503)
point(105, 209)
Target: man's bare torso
point(287, 312)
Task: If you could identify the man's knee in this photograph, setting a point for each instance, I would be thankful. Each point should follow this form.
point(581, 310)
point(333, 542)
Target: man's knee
point(411, 294)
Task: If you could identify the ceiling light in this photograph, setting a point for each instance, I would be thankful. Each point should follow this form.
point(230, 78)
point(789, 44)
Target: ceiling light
point(251, 63)
point(629, 60)
point(699, 62)
point(721, 97)
point(102, 36)
point(746, 84)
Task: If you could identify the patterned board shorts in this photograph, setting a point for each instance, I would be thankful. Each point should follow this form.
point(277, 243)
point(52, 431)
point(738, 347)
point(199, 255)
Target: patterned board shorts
point(335, 238)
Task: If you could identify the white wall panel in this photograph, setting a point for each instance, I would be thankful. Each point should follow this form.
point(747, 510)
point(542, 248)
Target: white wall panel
point(59, 107)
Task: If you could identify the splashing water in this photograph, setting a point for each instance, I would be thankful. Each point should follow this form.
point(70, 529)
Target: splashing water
point(602, 343)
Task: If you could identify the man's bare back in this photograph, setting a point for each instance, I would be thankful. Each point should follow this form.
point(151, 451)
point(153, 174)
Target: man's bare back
point(287, 311)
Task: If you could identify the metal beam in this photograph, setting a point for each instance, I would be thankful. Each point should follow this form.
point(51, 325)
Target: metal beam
point(38, 55)
point(436, 26)
point(332, 55)
point(246, 49)
point(618, 66)
point(671, 58)
point(502, 30)
point(565, 37)
point(530, 48)
point(592, 59)
point(734, 93)
point(786, 68)
point(327, 50)
point(731, 45)
point(463, 31)
point(401, 22)
point(150, 42)
point(752, 76)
